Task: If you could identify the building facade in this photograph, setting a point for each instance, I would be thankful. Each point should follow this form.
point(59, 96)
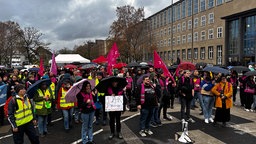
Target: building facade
point(218, 32)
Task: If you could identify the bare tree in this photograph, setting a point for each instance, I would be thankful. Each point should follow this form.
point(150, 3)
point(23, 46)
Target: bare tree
point(30, 41)
point(127, 30)
point(9, 41)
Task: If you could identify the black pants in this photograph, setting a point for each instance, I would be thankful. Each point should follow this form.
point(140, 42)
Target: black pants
point(248, 100)
point(234, 93)
point(2, 115)
point(242, 97)
point(114, 118)
point(164, 107)
point(185, 103)
point(29, 130)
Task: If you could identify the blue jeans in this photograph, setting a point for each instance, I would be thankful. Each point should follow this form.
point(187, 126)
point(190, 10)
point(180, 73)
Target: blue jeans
point(87, 127)
point(67, 117)
point(145, 117)
point(77, 114)
point(42, 124)
point(197, 95)
point(155, 118)
point(208, 104)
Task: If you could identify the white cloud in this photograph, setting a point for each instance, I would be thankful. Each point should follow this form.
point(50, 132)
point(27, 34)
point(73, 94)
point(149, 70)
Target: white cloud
point(66, 23)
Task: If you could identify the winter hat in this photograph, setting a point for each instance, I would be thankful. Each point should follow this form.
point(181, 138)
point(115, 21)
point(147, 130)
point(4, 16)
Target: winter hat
point(19, 87)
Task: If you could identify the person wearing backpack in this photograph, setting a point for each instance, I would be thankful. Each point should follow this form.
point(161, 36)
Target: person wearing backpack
point(21, 117)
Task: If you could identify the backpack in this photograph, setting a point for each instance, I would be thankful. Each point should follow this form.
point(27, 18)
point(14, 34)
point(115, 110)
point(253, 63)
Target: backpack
point(11, 98)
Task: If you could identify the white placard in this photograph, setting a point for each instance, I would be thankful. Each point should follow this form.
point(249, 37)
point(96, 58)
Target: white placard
point(114, 103)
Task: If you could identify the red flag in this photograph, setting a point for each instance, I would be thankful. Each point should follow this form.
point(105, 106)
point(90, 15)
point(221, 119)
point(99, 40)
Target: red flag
point(158, 63)
point(53, 65)
point(112, 56)
point(41, 67)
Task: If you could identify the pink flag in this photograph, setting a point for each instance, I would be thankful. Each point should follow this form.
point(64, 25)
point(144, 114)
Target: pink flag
point(158, 63)
point(53, 65)
point(112, 56)
point(41, 67)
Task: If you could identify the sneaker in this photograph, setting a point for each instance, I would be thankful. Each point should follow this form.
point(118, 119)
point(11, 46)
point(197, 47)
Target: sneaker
point(206, 121)
point(251, 110)
point(201, 113)
point(111, 136)
point(169, 118)
point(142, 133)
point(191, 120)
point(127, 108)
point(149, 132)
point(211, 120)
point(247, 110)
point(120, 136)
point(159, 124)
point(182, 120)
point(153, 124)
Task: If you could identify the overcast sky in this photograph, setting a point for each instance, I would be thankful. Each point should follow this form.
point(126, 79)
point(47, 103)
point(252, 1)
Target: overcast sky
point(66, 23)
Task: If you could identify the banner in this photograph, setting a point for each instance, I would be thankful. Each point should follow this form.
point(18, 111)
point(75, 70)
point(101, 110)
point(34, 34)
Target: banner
point(53, 65)
point(41, 67)
point(112, 56)
point(114, 103)
point(158, 63)
point(3, 94)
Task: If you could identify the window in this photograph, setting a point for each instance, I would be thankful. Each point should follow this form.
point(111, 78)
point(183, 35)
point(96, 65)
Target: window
point(164, 42)
point(195, 22)
point(173, 54)
point(165, 55)
point(173, 29)
point(196, 36)
point(169, 42)
point(183, 54)
point(203, 21)
point(183, 26)
point(195, 6)
point(195, 53)
point(169, 55)
point(165, 15)
point(219, 2)
point(169, 30)
point(178, 28)
point(165, 31)
point(210, 34)
point(161, 33)
point(210, 3)
point(161, 55)
point(219, 54)
point(178, 12)
point(219, 32)
point(202, 53)
point(189, 54)
point(210, 52)
point(211, 18)
point(189, 38)
point(189, 24)
point(178, 40)
point(202, 5)
point(183, 14)
point(161, 44)
point(178, 53)
point(173, 41)
point(183, 39)
point(189, 7)
point(203, 35)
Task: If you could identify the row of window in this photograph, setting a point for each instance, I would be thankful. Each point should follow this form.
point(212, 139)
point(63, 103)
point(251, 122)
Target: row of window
point(187, 54)
point(188, 38)
point(183, 27)
point(183, 9)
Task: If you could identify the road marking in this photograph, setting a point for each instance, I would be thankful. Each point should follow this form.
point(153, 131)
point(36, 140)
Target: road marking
point(6, 136)
point(101, 130)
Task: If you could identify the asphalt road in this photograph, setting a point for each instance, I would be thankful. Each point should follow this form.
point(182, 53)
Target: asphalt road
point(241, 129)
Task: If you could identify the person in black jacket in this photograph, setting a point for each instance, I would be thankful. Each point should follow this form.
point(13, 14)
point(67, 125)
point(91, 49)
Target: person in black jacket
point(186, 93)
point(86, 105)
point(146, 102)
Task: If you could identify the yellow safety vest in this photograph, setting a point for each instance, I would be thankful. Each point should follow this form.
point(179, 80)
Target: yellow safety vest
point(96, 83)
point(52, 87)
point(63, 103)
point(24, 114)
point(41, 104)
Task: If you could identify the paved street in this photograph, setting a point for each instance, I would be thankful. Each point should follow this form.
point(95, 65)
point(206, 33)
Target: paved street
point(241, 129)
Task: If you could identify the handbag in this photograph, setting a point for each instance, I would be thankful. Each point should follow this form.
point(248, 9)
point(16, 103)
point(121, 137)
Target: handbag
point(97, 104)
point(249, 90)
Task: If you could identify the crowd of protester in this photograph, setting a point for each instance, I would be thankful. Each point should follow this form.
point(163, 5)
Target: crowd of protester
point(147, 90)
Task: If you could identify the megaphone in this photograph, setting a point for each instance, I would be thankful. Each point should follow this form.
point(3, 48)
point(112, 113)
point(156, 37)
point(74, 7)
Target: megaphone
point(184, 138)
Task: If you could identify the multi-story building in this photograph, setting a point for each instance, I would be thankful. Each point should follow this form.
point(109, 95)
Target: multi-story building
point(212, 31)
